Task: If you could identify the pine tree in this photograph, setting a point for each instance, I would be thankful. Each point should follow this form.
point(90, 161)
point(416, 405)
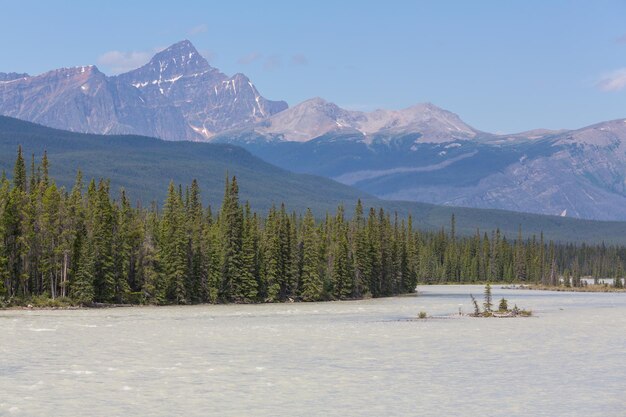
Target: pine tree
point(173, 248)
point(19, 171)
point(341, 270)
point(5, 275)
point(520, 258)
point(362, 254)
point(247, 284)
point(126, 241)
point(153, 283)
point(51, 230)
point(312, 287)
point(82, 289)
point(231, 220)
point(271, 269)
point(104, 224)
point(14, 225)
point(488, 303)
point(198, 274)
point(212, 251)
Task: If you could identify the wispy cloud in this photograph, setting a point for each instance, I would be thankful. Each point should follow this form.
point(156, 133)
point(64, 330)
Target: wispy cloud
point(118, 61)
point(613, 81)
point(198, 29)
point(299, 59)
point(272, 62)
point(250, 58)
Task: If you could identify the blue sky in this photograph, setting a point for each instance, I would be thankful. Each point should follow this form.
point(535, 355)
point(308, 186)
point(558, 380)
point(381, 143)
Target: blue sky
point(503, 66)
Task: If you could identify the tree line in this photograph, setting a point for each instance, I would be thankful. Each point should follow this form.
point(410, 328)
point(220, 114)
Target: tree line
point(90, 247)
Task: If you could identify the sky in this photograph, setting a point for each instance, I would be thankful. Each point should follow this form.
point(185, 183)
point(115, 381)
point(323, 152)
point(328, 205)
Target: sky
point(502, 66)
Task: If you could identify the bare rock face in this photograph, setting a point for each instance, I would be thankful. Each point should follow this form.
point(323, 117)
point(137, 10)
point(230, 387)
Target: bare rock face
point(176, 96)
point(11, 76)
point(429, 155)
point(316, 117)
point(79, 99)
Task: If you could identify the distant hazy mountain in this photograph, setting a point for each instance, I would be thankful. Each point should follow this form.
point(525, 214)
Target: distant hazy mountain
point(421, 153)
point(176, 96)
point(316, 117)
point(428, 154)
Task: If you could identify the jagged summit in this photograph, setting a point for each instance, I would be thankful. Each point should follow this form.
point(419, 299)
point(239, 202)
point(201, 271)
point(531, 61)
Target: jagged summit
point(209, 100)
point(180, 59)
point(176, 95)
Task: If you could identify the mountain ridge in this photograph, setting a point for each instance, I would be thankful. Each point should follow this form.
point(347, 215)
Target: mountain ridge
point(420, 153)
point(176, 95)
point(316, 117)
point(144, 166)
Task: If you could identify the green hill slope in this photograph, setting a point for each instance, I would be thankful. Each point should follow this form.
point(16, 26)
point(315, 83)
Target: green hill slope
point(144, 166)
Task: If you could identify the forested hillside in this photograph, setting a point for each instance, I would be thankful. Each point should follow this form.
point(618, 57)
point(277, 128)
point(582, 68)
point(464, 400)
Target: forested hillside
point(90, 247)
point(144, 165)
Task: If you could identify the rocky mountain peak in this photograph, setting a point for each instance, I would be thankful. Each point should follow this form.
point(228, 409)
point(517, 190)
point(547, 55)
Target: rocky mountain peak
point(12, 76)
point(435, 123)
point(181, 59)
point(176, 95)
point(316, 117)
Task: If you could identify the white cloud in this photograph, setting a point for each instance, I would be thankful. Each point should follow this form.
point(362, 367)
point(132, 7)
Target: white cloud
point(299, 59)
point(250, 58)
point(272, 62)
point(118, 61)
point(613, 81)
point(198, 29)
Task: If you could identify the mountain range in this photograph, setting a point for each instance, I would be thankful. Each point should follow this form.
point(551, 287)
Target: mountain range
point(175, 96)
point(428, 154)
point(421, 153)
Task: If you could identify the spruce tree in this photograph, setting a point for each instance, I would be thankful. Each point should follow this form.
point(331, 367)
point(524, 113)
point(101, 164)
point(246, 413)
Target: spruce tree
point(196, 225)
point(173, 248)
point(82, 288)
point(362, 256)
point(271, 269)
point(488, 303)
point(341, 269)
point(312, 287)
point(152, 280)
point(104, 224)
point(246, 289)
point(19, 171)
point(231, 220)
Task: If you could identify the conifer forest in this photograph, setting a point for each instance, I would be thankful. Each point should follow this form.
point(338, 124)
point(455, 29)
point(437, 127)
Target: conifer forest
point(90, 244)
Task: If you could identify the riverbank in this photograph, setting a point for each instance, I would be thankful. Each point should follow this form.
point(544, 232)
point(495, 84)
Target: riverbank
point(586, 288)
point(64, 303)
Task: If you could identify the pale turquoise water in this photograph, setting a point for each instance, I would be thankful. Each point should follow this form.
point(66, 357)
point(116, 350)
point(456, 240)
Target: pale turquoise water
point(320, 359)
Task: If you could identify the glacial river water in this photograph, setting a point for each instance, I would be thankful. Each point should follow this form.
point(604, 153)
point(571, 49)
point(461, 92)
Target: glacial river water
point(356, 358)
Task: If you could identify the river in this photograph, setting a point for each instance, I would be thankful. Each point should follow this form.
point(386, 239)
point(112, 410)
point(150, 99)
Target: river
point(351, 358)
